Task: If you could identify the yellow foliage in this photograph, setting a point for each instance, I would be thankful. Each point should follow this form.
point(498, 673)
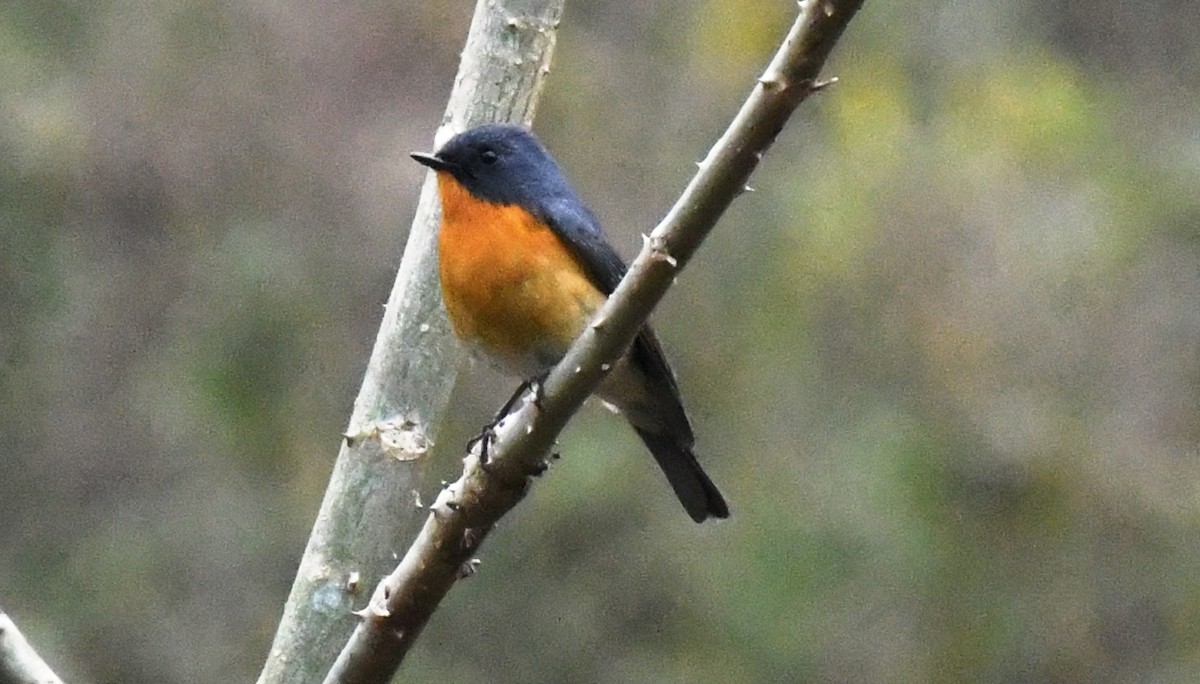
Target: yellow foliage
point(728, 38)
point(1030, 112)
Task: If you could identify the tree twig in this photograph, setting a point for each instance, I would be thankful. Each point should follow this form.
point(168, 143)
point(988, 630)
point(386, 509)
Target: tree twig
point(369, 509)
point(466, 510)
point(19, 663)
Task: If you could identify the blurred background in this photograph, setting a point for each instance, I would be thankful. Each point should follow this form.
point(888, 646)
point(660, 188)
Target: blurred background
point(945, 363)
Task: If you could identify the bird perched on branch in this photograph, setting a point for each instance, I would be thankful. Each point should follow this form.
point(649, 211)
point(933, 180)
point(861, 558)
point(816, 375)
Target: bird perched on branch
point(524, 265)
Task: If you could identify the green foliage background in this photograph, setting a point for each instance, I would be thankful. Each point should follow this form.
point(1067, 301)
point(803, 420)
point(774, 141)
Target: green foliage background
point(945, 363)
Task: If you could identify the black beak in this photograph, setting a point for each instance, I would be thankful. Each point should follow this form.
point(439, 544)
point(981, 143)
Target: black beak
point(431, 160)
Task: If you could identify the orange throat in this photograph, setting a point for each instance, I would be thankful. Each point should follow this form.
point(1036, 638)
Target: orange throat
point(512, 287)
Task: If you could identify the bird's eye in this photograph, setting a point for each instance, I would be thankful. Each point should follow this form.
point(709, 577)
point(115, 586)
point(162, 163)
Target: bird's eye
point(488, 157)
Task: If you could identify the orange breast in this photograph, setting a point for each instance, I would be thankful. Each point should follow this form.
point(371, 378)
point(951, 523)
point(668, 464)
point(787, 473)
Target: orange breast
point(512, 288)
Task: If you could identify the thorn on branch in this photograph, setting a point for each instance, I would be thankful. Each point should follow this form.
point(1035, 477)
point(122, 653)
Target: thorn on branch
point(372, 611)
point(770, 83)
point(445, 505)
point(468, 569)
point(353, 438)
point(658, 250)
point(819, 85)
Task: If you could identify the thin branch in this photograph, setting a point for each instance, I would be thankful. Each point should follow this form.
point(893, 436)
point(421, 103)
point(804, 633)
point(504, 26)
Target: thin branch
point(19, 663)
point(466, 510)
point(369, 511)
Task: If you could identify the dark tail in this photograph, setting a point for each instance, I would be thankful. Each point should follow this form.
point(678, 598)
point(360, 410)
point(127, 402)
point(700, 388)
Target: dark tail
point(696, 492)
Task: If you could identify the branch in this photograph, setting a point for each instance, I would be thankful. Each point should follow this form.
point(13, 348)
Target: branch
point(19, 663)
point(466, 510)
point(369, 510)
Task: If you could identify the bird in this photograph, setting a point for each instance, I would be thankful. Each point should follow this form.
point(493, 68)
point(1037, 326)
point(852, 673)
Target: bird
point(524, 264)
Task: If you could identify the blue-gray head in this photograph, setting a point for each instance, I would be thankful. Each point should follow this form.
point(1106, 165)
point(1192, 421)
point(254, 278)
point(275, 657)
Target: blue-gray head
point(501, 163)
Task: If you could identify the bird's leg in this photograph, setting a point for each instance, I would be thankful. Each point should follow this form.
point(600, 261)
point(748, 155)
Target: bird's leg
point(483, 439)
point(524, 387)
point(488, 434)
